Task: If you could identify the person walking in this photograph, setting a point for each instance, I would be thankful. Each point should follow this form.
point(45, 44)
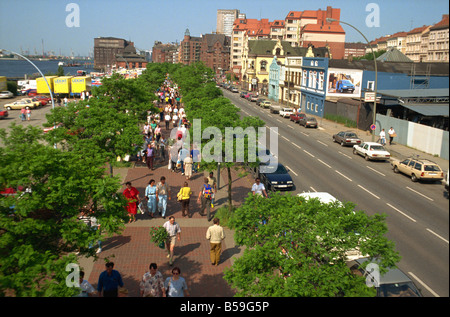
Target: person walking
point(212, 182)
point(182, 154)
point(162, 194)
point(258, 188)
point(132, 196)
point(184, 196)
point(174, 232)
point(23, 112)
point(109, 281)
point(188, 162)
point(215, 234)
point(149, 155)
point(152, 283)
point(205, 198)
point(28, 112)
point(392, 134)
point(162, 148)
point(383, 137)
point(150, 194)
point(176, 285)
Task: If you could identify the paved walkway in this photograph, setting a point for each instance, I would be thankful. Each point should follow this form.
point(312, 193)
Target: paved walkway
point(132, 251)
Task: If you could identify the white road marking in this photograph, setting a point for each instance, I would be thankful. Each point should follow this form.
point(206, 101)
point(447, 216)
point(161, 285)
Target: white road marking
point(345, 155)
point(419, 193)
point(375, 170)
point(342, 175)
point(313, 188)
point(308, 153)
point(323, 163)
point(285, 138)
point(291, 170)
point(322, 143)
point(424, 285)
point(401, 212)
point(369, 192)
point(290, 126)
point(304, 133)
point(431, 231)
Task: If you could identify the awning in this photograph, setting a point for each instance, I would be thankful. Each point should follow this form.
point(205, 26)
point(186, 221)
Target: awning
point(429, 110)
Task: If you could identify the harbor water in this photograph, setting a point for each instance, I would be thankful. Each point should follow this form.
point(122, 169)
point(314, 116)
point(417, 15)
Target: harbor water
point(22, 68)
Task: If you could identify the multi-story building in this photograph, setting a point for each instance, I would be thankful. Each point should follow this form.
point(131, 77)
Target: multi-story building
point(305, 28)
point(190, 49)
point(243, 30)
point(398, 41)
point(438, 42)
point(354, 50)
point(225, 20)
point(129, 59)
point(215, 52)
point(414, 40)
point(105, 50)
point(162, 53)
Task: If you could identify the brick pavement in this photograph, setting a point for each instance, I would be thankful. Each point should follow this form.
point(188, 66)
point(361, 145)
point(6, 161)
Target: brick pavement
point(132, 251)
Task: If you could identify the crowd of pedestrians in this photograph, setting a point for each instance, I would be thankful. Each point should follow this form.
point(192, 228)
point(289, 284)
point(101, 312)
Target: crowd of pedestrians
point(179, 159)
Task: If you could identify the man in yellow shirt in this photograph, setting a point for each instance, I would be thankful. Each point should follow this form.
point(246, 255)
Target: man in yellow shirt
point(215, 234)
point(184, 196)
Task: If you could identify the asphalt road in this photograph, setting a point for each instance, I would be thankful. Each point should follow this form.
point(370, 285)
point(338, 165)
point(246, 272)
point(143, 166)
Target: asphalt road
point(417, 214)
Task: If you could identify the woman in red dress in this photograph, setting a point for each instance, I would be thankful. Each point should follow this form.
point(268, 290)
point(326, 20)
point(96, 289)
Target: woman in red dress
point(132, 195)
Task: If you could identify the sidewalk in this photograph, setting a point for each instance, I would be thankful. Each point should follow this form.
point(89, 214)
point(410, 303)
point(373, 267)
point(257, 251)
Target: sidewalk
point(132, 251)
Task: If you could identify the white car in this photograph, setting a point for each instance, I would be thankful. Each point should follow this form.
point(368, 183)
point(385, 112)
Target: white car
point(372, 151)
point(6, 94)
point(286, 112)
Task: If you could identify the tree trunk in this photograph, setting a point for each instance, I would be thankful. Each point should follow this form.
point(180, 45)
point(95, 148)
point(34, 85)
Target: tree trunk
point(230, 201)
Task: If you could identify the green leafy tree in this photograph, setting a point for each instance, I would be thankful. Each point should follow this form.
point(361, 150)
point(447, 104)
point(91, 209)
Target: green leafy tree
point(299, 248)
point(39, 229)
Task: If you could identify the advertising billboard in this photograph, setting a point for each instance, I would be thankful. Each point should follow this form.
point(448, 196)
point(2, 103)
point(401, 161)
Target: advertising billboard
point(344, 82)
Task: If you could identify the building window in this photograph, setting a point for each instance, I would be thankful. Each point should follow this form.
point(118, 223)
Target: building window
point(371, 85)
point(321, 80)
point(305, 74)
point(263, 65)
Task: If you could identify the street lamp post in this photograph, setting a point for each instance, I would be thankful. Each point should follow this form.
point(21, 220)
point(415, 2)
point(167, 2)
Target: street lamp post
point(51, 94)
point(376, 71)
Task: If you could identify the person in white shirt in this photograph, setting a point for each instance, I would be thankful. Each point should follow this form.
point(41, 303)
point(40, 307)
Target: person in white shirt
point(258, 188)
point(383, 137)
point(167, 119)
point(392, 134)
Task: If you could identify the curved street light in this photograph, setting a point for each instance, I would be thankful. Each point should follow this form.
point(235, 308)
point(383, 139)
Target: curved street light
point(51, 94)
point(376, 71)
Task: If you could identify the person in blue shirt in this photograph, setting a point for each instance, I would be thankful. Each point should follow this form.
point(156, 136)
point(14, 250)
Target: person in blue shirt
point(109, 281)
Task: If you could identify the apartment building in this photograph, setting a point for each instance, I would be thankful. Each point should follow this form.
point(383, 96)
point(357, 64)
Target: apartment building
point(354, 50)
point(398, 41)
point(162, 53)
point(438, 45)
point(225, 20)
point(190, 49)
point(215, 52)
point(414, 41)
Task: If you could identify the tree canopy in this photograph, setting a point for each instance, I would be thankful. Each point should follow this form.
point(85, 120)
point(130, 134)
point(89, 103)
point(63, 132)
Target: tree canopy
point(297, 247)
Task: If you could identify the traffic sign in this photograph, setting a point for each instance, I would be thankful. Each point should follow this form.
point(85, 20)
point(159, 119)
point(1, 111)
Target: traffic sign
point(373, 127)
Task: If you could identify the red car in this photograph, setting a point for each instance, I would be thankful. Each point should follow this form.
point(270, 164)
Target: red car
point(3, 114)
point(42, 102)
point(44, 98)
point(32, 92)
point(297, 116)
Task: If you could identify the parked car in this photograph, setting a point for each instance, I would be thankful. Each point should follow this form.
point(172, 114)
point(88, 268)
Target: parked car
point(394, 283)
point(346, 138)
point(274, 108)
point(266, 104)
point(296, 116)
point(345, 85)
point(286, 112)
point(234, 89)
point(243, 94)
point(254, 98)
point(6, 94)
point(31, 93)
point(418, 169)
point(36, 102)
point(41, 102)
point(259, 101)
point(308, 122)
point(42, 97)
point(19, 105)
point(275, 177)
point(371, 151)
point(3, 114)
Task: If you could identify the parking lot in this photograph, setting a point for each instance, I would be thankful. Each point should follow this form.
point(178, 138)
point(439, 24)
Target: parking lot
point(37, 115)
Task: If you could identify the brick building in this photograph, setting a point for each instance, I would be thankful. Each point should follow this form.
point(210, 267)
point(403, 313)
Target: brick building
point(190, 49)
point(354, 50)
point(215, 52)
point(105, 49)
point(129, 59)
point(162, 53)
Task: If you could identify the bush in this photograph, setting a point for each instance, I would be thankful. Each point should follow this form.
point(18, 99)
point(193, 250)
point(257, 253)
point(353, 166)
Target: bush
point(224, 215)
point(340, 119)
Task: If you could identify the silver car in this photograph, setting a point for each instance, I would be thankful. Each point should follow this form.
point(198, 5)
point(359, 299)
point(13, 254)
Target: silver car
point(6, 94)
point(346, 138)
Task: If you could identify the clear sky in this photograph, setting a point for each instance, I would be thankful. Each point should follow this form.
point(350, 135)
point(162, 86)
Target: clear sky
point(24, 24)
